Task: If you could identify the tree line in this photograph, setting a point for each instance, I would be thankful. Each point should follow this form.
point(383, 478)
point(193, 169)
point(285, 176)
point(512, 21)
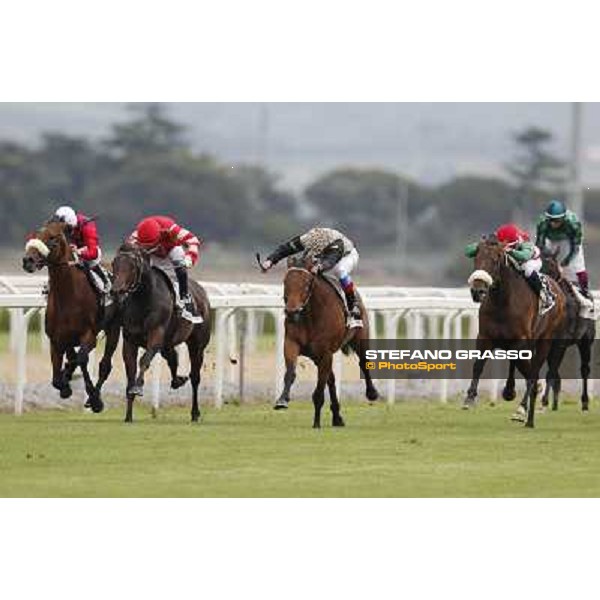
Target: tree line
point(145, 165)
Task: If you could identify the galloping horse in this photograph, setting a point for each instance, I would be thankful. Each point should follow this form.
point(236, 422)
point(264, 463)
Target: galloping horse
point(579, 331)
point(150, 321)
point(73, 316)
point(509, 318)
point(315, 327)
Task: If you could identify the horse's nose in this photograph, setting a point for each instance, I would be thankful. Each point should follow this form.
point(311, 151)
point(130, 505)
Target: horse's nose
point(28, 264)
point(293, 314)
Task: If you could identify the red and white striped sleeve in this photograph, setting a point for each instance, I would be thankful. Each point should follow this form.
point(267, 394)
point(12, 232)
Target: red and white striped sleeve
point(188, 240)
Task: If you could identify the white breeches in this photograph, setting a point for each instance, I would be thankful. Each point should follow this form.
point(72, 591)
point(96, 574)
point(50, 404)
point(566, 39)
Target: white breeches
point(346, 265)
point(529, 266)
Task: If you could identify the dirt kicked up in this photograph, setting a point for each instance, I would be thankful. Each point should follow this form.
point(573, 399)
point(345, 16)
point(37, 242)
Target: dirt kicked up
point(411, 449)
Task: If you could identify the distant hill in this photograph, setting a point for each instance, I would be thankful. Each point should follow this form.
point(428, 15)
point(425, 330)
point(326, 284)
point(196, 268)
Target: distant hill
point(429, 141)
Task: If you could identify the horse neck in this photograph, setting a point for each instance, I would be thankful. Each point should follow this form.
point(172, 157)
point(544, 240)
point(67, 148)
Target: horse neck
point(62, 278)
point(507, 294)
point(322, 294)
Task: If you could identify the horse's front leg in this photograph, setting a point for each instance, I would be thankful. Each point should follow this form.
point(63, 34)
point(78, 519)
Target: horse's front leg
point(539, 358)
point(58, 374)
point(336, 415)
point(105, 366)
point(509, 393)
point(130, 352)
point(88, 343)
point(472, 391)
point(291, 351)
point(172, 358)
point(324, 372)
point(585, 350)
point(153, 347)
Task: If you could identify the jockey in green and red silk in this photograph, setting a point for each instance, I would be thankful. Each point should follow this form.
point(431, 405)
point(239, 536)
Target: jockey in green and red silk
point(82, 235)
point(526, 256)
point(333, 253)
point(560, 231)
point(165, 239)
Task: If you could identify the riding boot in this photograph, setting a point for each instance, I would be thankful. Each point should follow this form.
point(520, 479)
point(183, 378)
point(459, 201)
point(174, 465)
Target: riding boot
point(186, 302)
point(355, 320)
point(584, 284)
point(535, 283)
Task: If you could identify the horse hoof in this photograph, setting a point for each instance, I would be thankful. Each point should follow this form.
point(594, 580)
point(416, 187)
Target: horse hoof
point(585, 408)
point(316, 426)
point(66, 392)
point(136, 390)
point(195, 418)
point(529, 425)
point(97, 406)
point(509, 394)
point(372, 395)
point(468, 403)
point(338, 422)
point(281, 405)
point(178, 382)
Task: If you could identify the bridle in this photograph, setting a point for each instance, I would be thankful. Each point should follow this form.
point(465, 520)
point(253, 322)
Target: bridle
point(302, 308)
point(138, 266)
point(51, 244)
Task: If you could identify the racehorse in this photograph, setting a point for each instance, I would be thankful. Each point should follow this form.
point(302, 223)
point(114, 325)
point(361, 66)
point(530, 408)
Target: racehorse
point(579, 331)
point(73, 315)
point(151, 321)
point(509, 318)
point(315, 327)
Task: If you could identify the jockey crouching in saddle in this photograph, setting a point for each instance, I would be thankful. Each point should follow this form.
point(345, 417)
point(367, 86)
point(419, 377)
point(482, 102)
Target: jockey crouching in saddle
point(560, 232)
point(168, 241)
point(525, 257)
point(334, 254)
point(82, 234)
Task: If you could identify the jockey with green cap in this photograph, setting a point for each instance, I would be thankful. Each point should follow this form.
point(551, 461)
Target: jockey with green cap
point(559, 230)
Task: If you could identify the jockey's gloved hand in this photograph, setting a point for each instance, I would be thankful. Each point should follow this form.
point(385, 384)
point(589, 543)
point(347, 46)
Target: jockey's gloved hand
point(316, 268)
point(187, 261)
point(266, 264)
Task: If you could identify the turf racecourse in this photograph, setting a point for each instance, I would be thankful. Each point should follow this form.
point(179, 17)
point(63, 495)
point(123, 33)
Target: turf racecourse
point(411, 449)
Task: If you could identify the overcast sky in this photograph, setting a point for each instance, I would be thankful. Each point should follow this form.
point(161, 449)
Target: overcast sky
point(428, 141)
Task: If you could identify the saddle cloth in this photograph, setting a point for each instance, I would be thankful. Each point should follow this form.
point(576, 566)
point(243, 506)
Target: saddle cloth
point(547, 297)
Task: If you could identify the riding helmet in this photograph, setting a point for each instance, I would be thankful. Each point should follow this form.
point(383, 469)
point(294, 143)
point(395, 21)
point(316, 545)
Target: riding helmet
point(556, 210)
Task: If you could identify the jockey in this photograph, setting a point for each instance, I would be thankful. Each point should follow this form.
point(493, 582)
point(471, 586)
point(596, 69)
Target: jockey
point(560, 231)
point(334, 253)
point(525, 255)
point(162, 237)
point(82, 235)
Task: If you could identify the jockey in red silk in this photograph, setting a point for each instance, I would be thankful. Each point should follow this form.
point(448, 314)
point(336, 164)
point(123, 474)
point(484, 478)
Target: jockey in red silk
point(165, 239)
point(82, 235)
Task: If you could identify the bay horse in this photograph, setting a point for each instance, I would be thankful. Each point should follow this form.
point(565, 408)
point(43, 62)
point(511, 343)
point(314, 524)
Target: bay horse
point(73, 315)
point(509, 318)
point(151, 321)
point(315, 327)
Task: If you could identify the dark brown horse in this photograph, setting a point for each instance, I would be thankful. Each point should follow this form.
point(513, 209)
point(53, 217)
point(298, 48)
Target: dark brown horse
point(509, 318)
point(315, 327)
point(73, 315)
point(579, 331)
point(151, 321)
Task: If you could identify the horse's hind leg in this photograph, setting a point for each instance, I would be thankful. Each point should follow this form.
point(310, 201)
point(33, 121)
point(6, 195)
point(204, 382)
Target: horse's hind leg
point(336, 419)
point(370, 389)
point(585, 350)
point(196, 352)
point(324, 371)
point(105, 366)
point(291, 351)
point(87, 345)
point(170, 355)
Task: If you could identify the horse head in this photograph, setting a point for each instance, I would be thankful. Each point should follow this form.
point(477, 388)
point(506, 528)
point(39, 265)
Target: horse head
point(489, 260)
point(48, 246)
point(297, 290)
point(550, 265)
point(130, 265)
